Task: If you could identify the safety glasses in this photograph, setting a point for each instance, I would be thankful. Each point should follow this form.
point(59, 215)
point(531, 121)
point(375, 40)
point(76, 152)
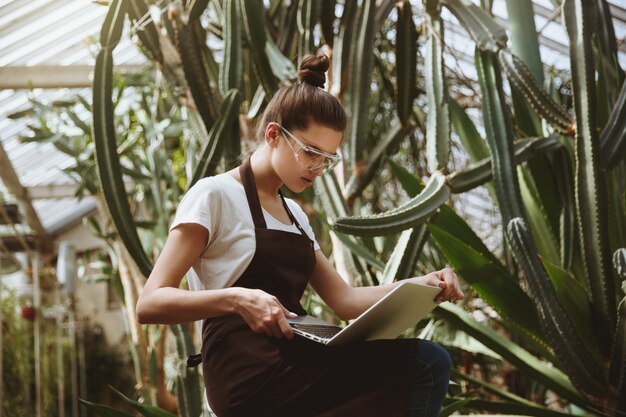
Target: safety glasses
point(309, 157)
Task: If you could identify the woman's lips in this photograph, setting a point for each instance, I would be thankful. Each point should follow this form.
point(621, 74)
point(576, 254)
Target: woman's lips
point(306, 180)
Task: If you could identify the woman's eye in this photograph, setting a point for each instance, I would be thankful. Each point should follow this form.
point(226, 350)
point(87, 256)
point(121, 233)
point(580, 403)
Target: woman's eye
point(310, 153)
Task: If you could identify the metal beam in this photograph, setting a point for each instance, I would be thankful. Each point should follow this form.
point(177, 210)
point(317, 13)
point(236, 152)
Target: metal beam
point(16, 243)
point(53, 76)
point(52, 191)
point(12, 213)
point(12, 182)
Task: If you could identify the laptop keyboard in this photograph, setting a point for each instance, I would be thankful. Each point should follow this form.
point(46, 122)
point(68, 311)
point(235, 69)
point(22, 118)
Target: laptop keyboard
point(325, 332)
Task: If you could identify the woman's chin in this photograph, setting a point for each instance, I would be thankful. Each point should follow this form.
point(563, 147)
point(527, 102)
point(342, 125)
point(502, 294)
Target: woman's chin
point(296, 187)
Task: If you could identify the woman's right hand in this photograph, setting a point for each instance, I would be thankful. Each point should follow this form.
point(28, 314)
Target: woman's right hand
point(264, 313)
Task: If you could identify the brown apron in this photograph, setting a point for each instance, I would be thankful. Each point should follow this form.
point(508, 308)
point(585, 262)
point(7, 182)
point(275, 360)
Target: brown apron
point(248, 374)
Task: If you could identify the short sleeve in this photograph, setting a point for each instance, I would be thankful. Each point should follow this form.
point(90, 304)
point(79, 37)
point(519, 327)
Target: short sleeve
point(200, 205)
point(302, 218)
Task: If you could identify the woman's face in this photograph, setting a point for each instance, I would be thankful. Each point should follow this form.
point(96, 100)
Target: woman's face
point(299, 171)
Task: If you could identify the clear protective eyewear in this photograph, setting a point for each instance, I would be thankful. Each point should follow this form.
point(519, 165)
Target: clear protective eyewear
point(310, 157)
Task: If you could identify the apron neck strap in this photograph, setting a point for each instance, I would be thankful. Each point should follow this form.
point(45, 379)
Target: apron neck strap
point(291, 216)
point(247, 177)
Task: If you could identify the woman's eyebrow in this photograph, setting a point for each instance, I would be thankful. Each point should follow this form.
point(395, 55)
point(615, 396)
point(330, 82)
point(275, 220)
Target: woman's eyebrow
point(320, 149)
point(316, 147)
point(310, 145)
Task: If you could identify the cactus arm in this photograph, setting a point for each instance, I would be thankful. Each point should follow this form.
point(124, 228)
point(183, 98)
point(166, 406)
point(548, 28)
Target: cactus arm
point(410, 214)
point(520, 76)
point(525, 44)
point(565, 187)
point(488, 35)
point(613, 137)
point(107, 159)
point(406, 61)
point(438, 116)
point(479, 173)
point(362, 60)
point(195, 70)
point(148, 34)
point(590, 186)
point(253, 19)
point(567, 343)
point(231, 67)
point(220, 132)
point(499, 132)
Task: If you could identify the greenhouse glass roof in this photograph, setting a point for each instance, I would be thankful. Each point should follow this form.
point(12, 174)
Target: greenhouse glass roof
point(53, 43)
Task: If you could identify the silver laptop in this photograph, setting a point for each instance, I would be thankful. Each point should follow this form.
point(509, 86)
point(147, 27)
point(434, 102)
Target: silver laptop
point(400, 309)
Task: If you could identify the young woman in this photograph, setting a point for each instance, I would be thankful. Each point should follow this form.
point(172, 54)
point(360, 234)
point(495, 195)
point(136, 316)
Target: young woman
point(249, 253)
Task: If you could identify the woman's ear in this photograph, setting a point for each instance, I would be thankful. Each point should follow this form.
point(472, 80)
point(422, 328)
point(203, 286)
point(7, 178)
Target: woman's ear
point(271, 134)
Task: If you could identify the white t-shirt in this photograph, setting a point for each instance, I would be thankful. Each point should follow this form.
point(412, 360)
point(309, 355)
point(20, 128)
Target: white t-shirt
point(219, 204)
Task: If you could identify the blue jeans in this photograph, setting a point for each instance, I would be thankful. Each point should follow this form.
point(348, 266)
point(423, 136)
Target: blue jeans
point(430, 382)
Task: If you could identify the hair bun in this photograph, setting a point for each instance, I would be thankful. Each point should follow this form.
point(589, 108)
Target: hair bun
point(313, 70)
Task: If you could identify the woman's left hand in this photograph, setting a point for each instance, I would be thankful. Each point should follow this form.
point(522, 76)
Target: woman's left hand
point(445, 279)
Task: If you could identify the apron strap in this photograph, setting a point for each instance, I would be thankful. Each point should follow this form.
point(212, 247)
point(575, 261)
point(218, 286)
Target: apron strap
point(291, 216)
point(194, 360)
point(247, 177)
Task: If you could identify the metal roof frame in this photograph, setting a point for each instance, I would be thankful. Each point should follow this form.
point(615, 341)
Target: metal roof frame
point(49, 46)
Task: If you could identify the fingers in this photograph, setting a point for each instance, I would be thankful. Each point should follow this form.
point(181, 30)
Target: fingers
point(288, 313)
point(275, 324)
point(452, 290)
point(433, 280)
point(285, 328)
point(265, 314)
point(279, 327)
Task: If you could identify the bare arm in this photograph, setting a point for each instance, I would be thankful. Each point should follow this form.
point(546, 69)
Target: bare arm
point(162, 301)
point(349, 302)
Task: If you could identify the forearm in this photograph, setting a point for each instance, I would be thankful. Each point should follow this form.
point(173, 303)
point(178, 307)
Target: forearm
point(346, 301)
point(169, 305)
point(360, 299)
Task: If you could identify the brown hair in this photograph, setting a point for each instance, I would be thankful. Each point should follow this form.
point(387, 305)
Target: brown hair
point(296, 105)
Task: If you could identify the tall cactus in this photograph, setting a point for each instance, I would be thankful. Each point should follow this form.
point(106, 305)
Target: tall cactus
point(586, 374)
point(591, 194)
point(359, 83)
point(438, 117)
point(109, 167)
point(406, 56)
